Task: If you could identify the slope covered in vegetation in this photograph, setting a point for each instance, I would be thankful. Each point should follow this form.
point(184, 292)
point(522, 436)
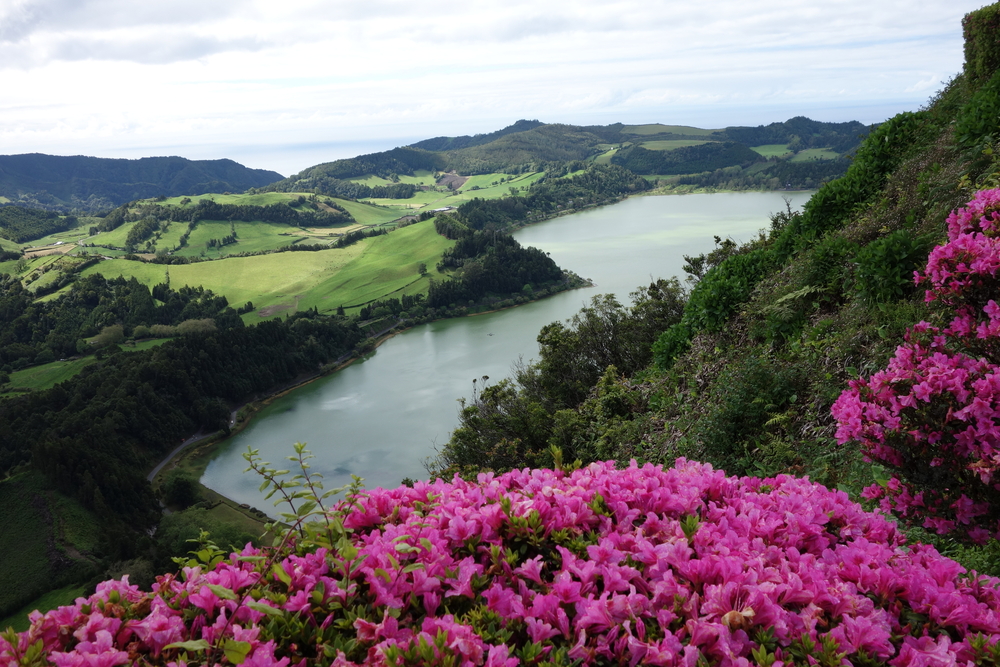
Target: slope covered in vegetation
point(744, 375)
point(92, 184)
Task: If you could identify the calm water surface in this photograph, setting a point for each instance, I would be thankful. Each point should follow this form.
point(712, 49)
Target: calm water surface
point(384, 415)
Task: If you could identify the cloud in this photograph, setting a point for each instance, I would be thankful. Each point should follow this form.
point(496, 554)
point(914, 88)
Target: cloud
point(208, 73)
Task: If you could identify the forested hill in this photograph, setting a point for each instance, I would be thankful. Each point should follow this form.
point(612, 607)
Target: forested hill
point(798, 152)
point(90, 183)
point(465, 141)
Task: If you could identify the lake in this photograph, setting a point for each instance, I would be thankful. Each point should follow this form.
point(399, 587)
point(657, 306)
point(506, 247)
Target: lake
point(384, 415)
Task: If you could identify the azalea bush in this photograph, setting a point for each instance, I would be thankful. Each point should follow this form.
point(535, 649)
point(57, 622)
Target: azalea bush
point(933, 414)
point(642, 565)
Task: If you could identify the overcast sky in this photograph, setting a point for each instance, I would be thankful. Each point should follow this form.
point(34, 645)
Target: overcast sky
point(285, 85)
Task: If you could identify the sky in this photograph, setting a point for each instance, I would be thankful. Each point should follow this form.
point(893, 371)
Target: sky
point(287, 85)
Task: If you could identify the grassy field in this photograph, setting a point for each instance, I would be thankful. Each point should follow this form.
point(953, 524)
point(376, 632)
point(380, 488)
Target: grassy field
point(605, 157)
point(815, 154)
point(250, 237)
point(488, 187)
point(116, 237)
point(285, 282)
point(420, 177)
point(61, 597)
point(670, 144)
point(262, 199)
point(367, 214)
point(771, 150)
point(656, 128)
point(48, 375)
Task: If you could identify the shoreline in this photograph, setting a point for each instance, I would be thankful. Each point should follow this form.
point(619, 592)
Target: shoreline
point(243, 414)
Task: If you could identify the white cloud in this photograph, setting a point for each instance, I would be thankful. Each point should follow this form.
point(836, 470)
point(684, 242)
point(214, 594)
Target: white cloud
point(92, 75)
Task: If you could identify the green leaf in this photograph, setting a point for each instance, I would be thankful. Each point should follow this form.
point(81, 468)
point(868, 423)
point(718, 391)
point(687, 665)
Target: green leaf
point(264, 608)
point(281, 574)
point(190, 645)
point(236, 652)
point(222, 592)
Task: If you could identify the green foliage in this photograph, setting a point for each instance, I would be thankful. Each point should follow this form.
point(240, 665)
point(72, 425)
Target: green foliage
point(178, 530)
point(21, 224)
point(96, 184)
point(687, 160)
point(885, 266)
point(827, 262)
point(180, 490)
point(513, 423)
point(978, 120)
point(140, 231)
point(40, 551)
point(981, 30)
point(748, 394)
point(803, 132)
point(455, 143)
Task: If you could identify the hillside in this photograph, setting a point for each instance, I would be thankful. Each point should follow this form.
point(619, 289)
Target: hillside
point(772, 333)
point(798, 153)
point(93, 184)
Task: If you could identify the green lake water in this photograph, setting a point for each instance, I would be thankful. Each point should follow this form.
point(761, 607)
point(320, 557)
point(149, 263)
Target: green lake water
point(384, 415)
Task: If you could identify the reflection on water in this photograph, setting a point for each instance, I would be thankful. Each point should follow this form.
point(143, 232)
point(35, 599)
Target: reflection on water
point(383, 416)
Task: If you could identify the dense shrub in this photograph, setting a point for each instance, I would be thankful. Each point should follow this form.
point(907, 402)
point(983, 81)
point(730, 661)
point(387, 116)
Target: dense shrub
point(643, 565)
point(932, 414)
point(885, 266)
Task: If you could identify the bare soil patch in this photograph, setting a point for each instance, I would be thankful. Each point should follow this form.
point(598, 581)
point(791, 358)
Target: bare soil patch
point(453, 180)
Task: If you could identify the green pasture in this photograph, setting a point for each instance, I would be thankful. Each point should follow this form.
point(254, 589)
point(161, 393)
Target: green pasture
point(261, 199)
point(810, 154)
point(44, 280)
point(388, 267)
point(422, 199)
point(250, 237)
point(605, 157)
point(48, 375)
point(367, 214)
point(670, 144)
point(284, 282)
point(116, 237)
point(100, 250)
point(170, 237)
point(771, 150)
point(431, 199)
point(62, 597)
point(419, 177)
point(10, 266)
point(656, 128)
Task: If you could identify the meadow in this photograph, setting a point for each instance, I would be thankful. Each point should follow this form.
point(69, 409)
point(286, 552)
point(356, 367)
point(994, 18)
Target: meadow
point(43, 376)
point(483, 186)
point(250, 237)
point(656, 128)
point(815, 154)
point(284, 282)
point(771, 150)
point(670, 144)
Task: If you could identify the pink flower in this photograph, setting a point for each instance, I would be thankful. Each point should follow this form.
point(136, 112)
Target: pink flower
point(99, 653)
